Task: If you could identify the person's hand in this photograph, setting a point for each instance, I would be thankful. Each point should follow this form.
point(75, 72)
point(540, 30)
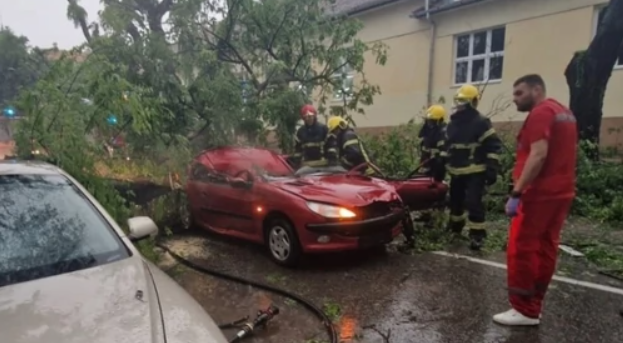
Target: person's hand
point(491, 177)
point(512, 204)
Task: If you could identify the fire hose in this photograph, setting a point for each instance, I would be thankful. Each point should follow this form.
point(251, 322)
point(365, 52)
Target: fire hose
point(263, 316)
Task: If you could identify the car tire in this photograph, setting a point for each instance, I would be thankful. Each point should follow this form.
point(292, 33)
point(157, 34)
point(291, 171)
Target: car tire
point(282, 242)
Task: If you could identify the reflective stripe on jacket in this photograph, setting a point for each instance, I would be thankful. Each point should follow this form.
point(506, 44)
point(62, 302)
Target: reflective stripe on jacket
point(472, 145)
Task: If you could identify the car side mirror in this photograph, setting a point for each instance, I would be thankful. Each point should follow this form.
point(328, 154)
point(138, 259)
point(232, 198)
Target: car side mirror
point(141, 228)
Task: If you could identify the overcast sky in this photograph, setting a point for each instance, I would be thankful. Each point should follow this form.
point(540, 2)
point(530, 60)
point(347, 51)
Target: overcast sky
point(45, 22)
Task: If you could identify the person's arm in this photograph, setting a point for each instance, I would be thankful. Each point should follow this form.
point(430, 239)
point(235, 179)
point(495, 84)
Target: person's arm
point(537, 134)
point(330, 148)
point(351, 149)
point(298, 151)
point(492, 145)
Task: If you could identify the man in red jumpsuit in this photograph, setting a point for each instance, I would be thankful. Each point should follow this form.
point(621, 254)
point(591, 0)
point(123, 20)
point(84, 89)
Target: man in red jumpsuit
point(544, 188)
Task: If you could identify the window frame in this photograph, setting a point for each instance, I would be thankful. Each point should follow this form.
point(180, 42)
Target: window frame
point(598, 8)
point(487, 56)
point(345, 73)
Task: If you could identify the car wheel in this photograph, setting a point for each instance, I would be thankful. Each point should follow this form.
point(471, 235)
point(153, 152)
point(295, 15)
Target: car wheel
point(283, 243)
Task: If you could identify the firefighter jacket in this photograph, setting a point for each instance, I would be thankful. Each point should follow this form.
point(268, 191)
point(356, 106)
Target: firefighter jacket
point(432, 141)
point(312, 148)
point(472, 145)
point(350, 149)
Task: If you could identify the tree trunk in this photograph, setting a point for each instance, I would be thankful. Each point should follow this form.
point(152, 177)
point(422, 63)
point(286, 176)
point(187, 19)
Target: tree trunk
point(588, 74)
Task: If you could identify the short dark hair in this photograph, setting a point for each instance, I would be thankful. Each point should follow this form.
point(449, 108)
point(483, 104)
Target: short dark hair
point(531, 80)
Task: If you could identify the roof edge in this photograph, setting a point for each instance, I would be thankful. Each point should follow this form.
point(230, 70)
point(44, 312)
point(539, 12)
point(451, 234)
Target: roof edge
point(421, 12)
point(367, 7)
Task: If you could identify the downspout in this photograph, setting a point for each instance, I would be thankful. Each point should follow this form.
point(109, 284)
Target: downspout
point(431, 54)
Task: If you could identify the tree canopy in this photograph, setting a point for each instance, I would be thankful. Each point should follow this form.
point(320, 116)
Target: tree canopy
point(20, 66)
point(210, 70)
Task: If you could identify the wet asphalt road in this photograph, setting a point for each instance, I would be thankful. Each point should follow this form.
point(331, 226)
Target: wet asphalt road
point(423, 298)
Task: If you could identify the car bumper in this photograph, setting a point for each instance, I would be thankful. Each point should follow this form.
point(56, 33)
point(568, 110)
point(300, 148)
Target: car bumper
point(339, 236)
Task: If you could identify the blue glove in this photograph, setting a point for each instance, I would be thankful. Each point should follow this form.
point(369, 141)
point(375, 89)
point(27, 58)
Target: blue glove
point(511, 206)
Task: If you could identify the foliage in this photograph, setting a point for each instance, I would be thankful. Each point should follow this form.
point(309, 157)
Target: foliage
point(19, 67)
point(247, 71)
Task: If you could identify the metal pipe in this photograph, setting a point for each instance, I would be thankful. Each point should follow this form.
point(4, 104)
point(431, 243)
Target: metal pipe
point(431, 54)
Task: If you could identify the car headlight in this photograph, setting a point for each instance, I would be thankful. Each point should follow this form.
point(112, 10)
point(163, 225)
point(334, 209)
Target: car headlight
point(330, 211)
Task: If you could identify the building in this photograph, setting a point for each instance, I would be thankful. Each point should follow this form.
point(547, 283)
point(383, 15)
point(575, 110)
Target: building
point(479, 41)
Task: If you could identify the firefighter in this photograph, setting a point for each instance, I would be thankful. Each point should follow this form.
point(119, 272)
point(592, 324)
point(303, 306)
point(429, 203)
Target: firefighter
point(351, 151)
point(471, 153)
point(432, 136)
point(312, 148)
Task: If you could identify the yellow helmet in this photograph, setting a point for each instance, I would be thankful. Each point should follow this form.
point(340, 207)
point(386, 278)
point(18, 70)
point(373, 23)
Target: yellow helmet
point(334, 122)
point(467, 95)
point(436, 112)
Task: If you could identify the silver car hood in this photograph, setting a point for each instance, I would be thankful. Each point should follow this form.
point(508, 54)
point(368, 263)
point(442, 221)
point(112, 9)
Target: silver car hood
point(113, 303)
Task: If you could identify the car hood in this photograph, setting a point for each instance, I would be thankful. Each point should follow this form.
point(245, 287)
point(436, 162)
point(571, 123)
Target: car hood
point(352, 190)
point(116, 302)
point(93, 305)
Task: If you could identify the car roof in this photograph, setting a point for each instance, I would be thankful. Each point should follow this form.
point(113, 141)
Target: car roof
point(238, 158)
point(20, 167)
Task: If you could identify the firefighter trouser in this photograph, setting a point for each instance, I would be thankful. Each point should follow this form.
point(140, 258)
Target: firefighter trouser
point(466, 193)
point(532, 252)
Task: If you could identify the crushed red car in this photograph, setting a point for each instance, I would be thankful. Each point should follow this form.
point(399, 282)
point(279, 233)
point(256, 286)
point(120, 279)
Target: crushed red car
point(253, 194)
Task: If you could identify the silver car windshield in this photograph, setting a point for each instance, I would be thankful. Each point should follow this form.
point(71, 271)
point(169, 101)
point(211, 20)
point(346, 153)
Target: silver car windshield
point(48, 227)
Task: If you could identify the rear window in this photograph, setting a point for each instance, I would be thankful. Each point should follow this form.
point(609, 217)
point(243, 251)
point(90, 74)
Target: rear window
point(48, 227)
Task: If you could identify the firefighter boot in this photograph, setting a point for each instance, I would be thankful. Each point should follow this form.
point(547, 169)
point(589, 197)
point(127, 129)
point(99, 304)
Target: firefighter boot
point(477, 239)
point(456, 227)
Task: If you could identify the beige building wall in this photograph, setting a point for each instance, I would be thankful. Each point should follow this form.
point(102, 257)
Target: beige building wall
point(403, 79)
point(541, 37)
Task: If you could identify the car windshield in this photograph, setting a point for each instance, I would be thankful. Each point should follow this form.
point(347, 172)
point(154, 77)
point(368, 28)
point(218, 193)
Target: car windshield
point(48, 227)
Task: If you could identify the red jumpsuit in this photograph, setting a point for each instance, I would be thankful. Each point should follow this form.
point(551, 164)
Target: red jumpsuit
point(535, 231)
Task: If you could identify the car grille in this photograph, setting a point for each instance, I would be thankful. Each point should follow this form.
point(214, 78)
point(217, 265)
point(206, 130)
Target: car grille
point(377, 209)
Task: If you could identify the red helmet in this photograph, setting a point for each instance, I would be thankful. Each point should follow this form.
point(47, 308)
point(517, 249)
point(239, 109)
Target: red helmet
point(308, 110)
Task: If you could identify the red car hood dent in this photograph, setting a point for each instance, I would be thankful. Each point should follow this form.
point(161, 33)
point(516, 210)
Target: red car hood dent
point(340, 189)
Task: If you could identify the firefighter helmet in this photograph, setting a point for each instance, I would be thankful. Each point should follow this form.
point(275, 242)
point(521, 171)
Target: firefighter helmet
point(467, 95)
point(308, 110)
point(336, 121)
point(436, 112)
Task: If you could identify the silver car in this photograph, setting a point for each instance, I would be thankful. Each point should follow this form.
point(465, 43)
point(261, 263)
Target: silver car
point(68, 273)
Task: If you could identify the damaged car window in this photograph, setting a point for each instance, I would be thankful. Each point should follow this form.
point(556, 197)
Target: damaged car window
point(48, 227)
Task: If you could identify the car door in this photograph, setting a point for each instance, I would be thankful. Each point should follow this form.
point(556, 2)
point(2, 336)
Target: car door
point(197, 191)
point(234, 209)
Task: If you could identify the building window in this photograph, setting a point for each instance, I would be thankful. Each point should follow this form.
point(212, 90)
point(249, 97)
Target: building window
point(479, 56)
point(599, 16)
point(345, 77)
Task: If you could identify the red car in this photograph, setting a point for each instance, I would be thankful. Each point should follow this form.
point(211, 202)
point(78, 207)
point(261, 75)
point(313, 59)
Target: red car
point(253, 194)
